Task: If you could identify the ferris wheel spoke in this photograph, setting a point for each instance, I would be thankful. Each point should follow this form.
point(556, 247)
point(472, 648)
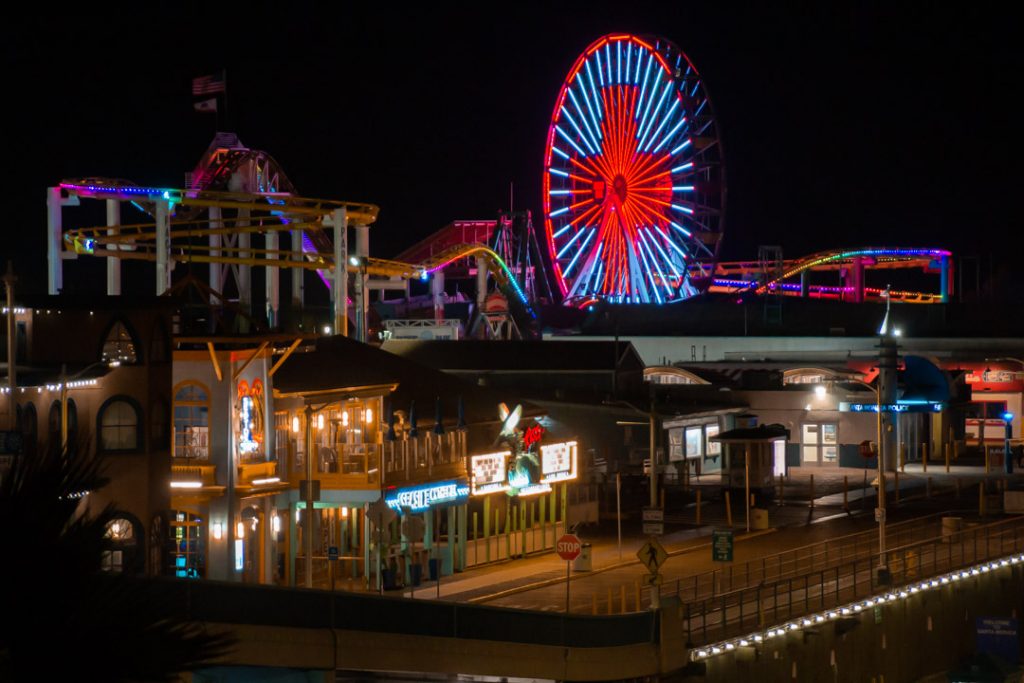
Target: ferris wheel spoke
point(664, 121)
point(583, 118)
point(593, 91)
point(586, 141)
point(590, 106)
point(665, 283)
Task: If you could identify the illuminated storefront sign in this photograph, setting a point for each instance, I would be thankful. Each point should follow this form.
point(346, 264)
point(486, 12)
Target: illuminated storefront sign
point(522, 475)
point(927, 407)
point(489, 472)
point(425, 496)
point(250, 419)
point(558, 462)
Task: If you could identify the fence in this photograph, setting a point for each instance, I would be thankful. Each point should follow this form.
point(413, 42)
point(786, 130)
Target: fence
point(750, 608)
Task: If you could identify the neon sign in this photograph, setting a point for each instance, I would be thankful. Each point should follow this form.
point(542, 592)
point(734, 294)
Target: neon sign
point(926, 407)
point(532, 436)
point(250, 417)
point(425, 496)
point(489, 472)
point(558, 461)
point(526, 474)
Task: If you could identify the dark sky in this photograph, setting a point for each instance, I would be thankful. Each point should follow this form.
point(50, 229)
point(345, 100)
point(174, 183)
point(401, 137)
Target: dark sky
point(841, 127)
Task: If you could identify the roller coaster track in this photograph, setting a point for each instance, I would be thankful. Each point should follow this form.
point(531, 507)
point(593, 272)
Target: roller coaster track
point(263, 213)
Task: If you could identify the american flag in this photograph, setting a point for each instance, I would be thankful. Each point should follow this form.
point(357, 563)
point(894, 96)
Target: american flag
point(208, 85)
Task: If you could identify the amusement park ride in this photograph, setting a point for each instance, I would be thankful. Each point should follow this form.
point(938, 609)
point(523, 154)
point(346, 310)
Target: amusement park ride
point(634, 200)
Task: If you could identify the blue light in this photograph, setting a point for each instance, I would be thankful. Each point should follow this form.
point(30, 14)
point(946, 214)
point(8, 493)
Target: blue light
point(682, 208)
point(686, 143)
point(559, 212)
point(561, 192)
point(681, 188)
point(1007, 417)
point(654, 115)
point(608, 60)
point(639, 59)
point(579, 110)
point(423, 497)
point(664, 120)
point(579, 132)
point(565, 247)
point(672, 243)
point(650, 101)
point(563, 174)
point(629, 54)
point(618, 62)
point(565, 136)
point(680, 228)
point(583, 247)
point(650, 274)
point(663, 254)
point(670, 134)
point(685, 167)
point(643, 87)
point(166, 195)
point(593, 90)
point(424, 276)
point(559, 152)
point(559, 233)
point(600, 69)
point(590, 108)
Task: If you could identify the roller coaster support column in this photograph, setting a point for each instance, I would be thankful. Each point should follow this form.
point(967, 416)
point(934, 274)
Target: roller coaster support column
point(54, 238)
point(215, 268)
point(437, 290)
point(944, 279)
point(362, 298)
point(857, 280)
point(803, 284)
point(481, 283)
point(298, 274)
point(163, 246)
point(244, 271)
point(273, 280)
point(113, 264)
point(339, 287)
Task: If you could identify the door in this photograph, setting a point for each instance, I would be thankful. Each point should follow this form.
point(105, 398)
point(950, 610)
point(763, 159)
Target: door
point(819, 444)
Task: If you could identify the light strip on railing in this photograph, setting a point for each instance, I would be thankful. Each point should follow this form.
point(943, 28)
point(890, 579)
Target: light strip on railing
point(186, 484)
point(854, 607)
point(267, 480)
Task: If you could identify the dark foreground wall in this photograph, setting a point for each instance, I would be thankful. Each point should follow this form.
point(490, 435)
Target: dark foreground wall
point(900, 641)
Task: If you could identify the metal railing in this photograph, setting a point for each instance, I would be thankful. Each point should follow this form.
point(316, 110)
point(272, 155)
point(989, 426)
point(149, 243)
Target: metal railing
point(752, 608)
point(802, 560)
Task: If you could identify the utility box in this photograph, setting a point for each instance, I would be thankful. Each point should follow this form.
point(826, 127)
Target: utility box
point(758, 518)
point(584, 561)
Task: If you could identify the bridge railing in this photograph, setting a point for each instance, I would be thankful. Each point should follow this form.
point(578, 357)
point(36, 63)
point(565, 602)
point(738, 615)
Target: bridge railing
point(754, 608)
point(799, 561)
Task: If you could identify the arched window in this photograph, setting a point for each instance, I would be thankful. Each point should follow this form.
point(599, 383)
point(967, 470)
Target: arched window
point(122, 541)
point(118, 425)
point(120, 345)
point(191, 421)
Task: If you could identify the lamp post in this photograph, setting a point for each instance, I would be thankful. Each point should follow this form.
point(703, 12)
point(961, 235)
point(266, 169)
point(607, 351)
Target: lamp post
point(1007, 464)
point(64, 379)
point(880, 510)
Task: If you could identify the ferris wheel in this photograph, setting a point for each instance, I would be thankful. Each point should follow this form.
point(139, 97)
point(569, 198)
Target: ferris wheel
point(634, 187)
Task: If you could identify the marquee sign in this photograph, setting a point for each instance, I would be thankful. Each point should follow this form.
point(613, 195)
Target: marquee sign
point(558, 461)
point(930, 407)
point(489, 472)
point(250, 418)
point(425, 496)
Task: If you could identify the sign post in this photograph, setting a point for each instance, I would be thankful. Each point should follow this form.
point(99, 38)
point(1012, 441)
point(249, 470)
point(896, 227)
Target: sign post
point(568, 548)
point(654, 521)
point(653, 555)
point(332, 560)
point(721, 545)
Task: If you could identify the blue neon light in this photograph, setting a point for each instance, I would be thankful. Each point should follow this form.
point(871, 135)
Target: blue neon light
point(559, 212)
point(654, 114)
point(686, 143)
point(423, 497)
point(643, 87)
point(685, 167)
point(650, 273)
point(559, 152)
point(590, 109)
point(682, 208)
point(600, 69)
point(561, 192)
point(560, 232)
point(583, 247)
point(663, 254)
point(664, 120)
point(608, 60)
point(680, 228)
point(568, 244)
point(579, 132)
point(565, 136)
point(670, 134)
point(671, 242)
point(681, 188)
point(593, 90)
point(555, 171)
point(579, 110)
point(618, 62)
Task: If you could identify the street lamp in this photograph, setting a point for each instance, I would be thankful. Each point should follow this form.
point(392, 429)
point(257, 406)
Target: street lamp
point(879, 441)
point(64, 380)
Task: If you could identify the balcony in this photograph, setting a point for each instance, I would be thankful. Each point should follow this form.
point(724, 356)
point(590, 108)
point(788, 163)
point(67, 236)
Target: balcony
point(192, 483)
point(424, 458)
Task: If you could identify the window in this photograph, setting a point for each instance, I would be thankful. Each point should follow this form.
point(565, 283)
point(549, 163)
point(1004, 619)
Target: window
point(120, 542)
point(191, 421)
point(119, 345)
point(119, 420)
point(712, 448)
point(187, 551)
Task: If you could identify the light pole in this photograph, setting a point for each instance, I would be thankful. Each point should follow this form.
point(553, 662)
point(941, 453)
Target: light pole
point(880, 511)
point(1007, 464)
point(64, 380)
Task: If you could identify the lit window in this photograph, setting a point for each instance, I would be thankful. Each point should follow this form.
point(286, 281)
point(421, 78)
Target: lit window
point(119, 345)
point(192, 421)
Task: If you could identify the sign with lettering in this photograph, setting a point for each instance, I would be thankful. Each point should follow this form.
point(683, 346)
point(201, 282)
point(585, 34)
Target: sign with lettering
point(568, 547)
point(721, 545)
point(489, 472)
point(998, 637)
point(558, 461)
point(425, 496)
point(931, 407)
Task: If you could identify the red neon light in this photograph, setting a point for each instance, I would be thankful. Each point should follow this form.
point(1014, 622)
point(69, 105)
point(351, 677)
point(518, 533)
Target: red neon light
point(532, 436)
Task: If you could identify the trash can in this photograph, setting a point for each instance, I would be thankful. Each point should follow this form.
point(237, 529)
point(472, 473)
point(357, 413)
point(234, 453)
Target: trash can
point(434, 566)
point(415, 574)
point(759, 518)
point(388, 576)
point(583, 562)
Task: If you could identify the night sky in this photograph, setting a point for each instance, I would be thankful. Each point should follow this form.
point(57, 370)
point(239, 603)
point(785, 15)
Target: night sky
point(841, 127)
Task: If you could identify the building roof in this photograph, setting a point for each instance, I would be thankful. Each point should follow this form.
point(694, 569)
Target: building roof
point(520, 355)
point(340, 364)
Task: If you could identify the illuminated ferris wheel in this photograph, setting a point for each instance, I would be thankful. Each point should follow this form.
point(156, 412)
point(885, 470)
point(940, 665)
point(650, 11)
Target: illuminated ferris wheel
point(634, 185)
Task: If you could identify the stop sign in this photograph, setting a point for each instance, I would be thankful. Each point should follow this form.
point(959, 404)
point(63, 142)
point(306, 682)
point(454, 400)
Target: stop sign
point(568, 547)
